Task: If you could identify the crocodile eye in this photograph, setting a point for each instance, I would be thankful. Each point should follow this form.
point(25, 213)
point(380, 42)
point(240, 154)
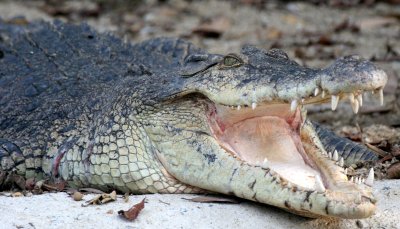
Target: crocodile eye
point(231, 60)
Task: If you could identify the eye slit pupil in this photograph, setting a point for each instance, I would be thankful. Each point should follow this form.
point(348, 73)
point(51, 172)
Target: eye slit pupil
point(231, 61)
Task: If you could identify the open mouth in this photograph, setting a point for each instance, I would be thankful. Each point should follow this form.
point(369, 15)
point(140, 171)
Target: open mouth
point(271, 136)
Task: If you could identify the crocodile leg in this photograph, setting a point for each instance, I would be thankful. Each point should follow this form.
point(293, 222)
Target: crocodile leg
point(12, 163)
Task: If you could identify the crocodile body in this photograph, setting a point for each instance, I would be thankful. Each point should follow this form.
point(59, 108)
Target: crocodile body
point(163, 116)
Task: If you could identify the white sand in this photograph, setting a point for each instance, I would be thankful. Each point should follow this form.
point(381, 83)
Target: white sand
point(58, 210)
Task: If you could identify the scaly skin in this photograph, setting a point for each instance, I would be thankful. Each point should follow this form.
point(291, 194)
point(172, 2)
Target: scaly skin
point(88, 109)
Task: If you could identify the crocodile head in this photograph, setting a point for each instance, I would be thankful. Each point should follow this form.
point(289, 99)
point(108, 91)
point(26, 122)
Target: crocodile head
point(238, 127)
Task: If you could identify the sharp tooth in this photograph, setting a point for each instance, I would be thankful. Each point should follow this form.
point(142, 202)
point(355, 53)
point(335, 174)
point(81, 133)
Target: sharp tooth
point(351, 179)
point(362, 180)
point(370, 179)
point(381, 96)
point(335, 155)
point(351, 97)
point(360, 99)
point(253, 106)
point(319, 186)
point(323, 94)
point(316, 91)
point(334, 102)
point(355, 106)
point(265, 164)
point(330, 155)
point(293, 105)
point(238, 107)
point(341, 162)
point(356, 180)
point(345, 171)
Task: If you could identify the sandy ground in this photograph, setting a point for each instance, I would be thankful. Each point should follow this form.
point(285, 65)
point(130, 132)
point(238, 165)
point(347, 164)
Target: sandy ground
point(58, 210)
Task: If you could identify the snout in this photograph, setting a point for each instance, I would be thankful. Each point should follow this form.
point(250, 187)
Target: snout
point(352, 73)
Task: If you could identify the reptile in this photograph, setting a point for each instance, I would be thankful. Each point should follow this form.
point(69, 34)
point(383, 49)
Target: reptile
point(163, 116)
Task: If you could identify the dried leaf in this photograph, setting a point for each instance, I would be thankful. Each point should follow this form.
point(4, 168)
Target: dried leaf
point(212, 199)
point(133, 212)
point(59, 186)
point(17, 194)
point(101, 199)
point(91, 190)
point(393, 172)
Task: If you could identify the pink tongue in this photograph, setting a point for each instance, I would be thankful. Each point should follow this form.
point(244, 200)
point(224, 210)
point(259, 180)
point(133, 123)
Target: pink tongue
point(273, 138)
point(257, 138)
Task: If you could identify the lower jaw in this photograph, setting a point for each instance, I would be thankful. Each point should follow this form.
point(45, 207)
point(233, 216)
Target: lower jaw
point(341, 198)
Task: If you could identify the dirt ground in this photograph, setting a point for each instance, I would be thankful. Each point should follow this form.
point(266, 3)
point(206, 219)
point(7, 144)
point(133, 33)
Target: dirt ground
point(313, 34)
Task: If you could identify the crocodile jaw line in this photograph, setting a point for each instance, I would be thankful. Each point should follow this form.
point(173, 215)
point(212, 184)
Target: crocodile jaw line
point(272, 137)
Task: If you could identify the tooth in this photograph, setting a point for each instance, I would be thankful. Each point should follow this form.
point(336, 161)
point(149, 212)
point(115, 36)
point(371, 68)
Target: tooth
point(293, 105)
point(351, 179)
point(323, 94)
point(335, 156)
point(360, 99)
point(238, 107)
point(334, 101)
point(265, 164)
point(362, 180)
point(316, 91)
point(370, 179)
point(253, 106)
point(341, 162)
point(356, 180)
point(345, 171)
point(355, 106)
point(381, 96)
point(330, 155)
point(351, 97)
point(319, 186)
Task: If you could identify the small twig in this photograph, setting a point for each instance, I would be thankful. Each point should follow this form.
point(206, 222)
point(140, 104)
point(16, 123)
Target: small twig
point(164, 202)
point(376, 150)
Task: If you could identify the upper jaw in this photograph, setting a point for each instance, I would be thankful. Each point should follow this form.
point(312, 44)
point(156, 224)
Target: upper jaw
point(348, 76)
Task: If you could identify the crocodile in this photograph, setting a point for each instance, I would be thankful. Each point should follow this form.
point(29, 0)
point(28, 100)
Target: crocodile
point(164, 116)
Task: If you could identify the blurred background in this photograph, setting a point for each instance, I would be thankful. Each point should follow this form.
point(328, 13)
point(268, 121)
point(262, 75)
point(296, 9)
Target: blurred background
point(313, 33)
